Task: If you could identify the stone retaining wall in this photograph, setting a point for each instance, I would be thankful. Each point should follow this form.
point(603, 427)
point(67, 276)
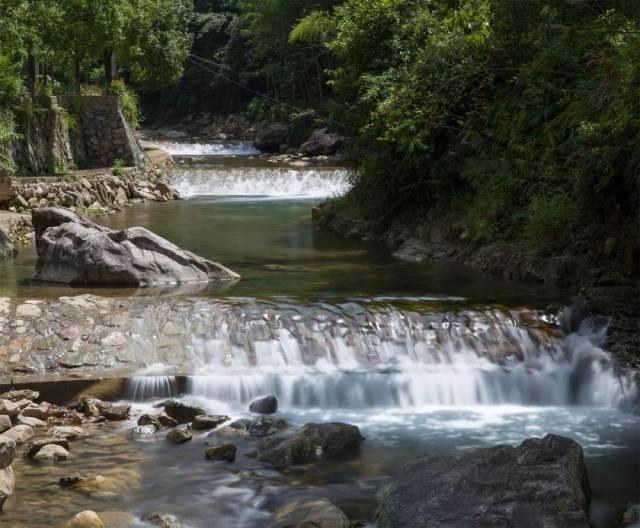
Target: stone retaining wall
point(68, 132)
point(103, 135)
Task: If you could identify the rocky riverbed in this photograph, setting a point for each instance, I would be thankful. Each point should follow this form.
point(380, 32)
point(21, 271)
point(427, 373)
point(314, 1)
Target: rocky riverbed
point(44, 445)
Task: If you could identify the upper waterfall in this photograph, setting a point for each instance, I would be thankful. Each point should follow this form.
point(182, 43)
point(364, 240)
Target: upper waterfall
point(260, 181)
point(176, 148)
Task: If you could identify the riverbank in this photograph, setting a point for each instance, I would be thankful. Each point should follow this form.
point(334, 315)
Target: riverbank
point(600, 287)
point(92, 192)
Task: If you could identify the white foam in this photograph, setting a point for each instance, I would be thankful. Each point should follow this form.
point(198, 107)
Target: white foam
point(208, 149)
point(272, 182)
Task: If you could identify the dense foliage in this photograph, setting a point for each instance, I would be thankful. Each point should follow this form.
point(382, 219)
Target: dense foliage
point(251, 42)
point(146, 41)
point(508, 119)
point(516, 120)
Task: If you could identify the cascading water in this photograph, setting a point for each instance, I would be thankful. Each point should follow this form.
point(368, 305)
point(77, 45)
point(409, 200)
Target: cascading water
point(208, 149)
point(281, 182)
point(351, 357)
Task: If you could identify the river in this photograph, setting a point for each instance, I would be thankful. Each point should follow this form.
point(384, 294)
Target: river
point(422, 357)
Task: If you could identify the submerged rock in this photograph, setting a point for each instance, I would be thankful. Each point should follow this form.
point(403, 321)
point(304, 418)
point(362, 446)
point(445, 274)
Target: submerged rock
point(85, 519)
point(226, 452)
point(73, 250)
point(312, 442)
point(202, 422)
point(182, 413)
point(179, 436)
point(162, 520)
point(110, 483)
point(34, 447)
point(51, 453)
point(542, 482)
point(149, 420)
point(317, 512)
point(263, 426)
point(266, 405)
point(166, 421)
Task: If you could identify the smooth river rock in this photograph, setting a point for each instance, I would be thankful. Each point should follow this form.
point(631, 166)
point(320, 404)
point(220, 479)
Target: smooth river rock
point(73, 250)
point(312, 442)
point(203, 422)
point(182, 413)
point(312, 512)
point(226, 452)
point(5, 423)
point(542, 482)
point(266, 405)
point(51, 453)
point(7, 451)
point(162, 520)
point(178, 436)
point(85, 519)
point(7, 484)
point(20, 433)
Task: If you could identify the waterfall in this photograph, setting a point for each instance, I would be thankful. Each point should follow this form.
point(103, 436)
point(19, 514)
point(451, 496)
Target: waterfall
point(252, 181)
point(208, 149)
point(149, 384)
point(351, 356)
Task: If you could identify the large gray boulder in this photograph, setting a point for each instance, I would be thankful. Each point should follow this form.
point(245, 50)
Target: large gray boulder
point(322, 143)
point(310, 443)
point(542, 482)
point(73, 250)
point(270, 138)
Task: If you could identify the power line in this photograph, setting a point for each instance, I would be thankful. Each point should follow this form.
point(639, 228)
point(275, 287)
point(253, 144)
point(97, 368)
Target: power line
point(256, 92)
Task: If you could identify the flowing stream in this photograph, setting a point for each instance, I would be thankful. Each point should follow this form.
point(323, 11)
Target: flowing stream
point(422, 357)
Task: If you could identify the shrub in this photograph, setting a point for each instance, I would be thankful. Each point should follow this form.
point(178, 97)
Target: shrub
point(130, 103)
point(118, 167)
point(7, 136)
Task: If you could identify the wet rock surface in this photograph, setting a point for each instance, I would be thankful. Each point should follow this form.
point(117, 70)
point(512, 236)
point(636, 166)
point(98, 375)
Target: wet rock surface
point(182, 413)
point(7, 484)
point(312, 512)
point(266, 405)
point(310, 443)
point(85, 519)
point(179, 436)
point(263, 426)
point(162, 520)
point(203, 422)
point(542, 482)
point(73, 250)
point(225, 452)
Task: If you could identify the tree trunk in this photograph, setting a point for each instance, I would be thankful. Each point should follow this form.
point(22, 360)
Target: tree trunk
point(32, 74)
point(77, 76)
point(110, 68)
